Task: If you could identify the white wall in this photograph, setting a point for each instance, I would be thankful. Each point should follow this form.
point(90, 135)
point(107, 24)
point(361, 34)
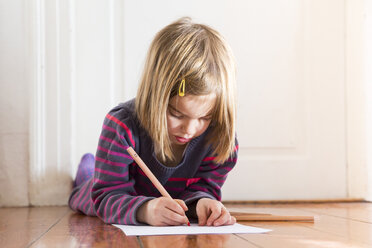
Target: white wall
point(14, 104)
point(356, 96)
point(368, 90)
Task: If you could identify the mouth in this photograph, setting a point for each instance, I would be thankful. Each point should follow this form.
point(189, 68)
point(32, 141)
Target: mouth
point(182, 140)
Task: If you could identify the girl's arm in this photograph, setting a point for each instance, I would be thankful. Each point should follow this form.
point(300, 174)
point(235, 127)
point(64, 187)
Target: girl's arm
point(113, 195)
point(209, 179)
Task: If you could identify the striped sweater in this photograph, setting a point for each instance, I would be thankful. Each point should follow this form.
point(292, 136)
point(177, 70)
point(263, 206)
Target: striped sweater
point(119, 187)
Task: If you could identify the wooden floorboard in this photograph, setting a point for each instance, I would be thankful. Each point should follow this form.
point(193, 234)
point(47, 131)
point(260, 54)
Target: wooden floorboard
point(77, 230)
point(330, 229)
point(183, 241)
point(355, 211)
point(336, 225)
point(20, 227)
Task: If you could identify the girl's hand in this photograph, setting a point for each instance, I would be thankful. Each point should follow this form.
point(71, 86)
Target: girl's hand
point(213, 213)
point(163, 211)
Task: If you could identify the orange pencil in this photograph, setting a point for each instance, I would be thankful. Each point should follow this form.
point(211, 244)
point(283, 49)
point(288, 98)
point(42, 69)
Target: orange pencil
point(151, 176)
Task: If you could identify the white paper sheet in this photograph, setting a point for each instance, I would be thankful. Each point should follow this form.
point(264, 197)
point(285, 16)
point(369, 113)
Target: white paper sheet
point(130, 230)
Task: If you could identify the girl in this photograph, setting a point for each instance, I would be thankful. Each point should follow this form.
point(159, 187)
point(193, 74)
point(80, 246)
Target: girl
point(182, 125)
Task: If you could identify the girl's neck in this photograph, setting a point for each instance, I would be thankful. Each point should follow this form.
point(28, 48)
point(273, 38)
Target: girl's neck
point(178, 151)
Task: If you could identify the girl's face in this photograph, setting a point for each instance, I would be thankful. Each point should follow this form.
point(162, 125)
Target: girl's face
point(188, 117)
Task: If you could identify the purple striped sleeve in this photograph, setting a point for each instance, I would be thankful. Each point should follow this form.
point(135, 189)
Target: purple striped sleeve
point(114, 197)
point(110, 194)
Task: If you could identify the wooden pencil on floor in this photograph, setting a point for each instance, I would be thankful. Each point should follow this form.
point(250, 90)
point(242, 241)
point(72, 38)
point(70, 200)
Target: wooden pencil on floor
point(241, 216)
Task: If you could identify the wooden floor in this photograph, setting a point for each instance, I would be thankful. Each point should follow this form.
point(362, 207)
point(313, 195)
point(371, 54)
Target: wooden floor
point(336, 225)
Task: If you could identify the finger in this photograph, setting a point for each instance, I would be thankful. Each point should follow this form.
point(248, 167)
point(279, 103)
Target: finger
point(163, 223)
point(159, 223)
point(169, 222)
point(174, 206)
point(202, 216)
point(216, 212)
point(173, 218)
point(232, 220)
point(182, 204)
point(223, 219)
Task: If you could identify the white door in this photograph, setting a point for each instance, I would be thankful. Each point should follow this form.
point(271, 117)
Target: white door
point(290, 59)
point(291, 85)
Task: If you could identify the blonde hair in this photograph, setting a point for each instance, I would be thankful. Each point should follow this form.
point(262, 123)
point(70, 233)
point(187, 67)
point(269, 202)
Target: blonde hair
point(200, 55)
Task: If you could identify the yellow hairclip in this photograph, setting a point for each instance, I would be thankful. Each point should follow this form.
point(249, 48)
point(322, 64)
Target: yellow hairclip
point(181, 90)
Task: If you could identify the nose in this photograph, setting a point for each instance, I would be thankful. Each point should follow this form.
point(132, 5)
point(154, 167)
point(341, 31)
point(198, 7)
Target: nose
point(190, 127)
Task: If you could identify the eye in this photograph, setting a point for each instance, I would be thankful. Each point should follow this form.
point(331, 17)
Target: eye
point(174, 114)
point(207, 118)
